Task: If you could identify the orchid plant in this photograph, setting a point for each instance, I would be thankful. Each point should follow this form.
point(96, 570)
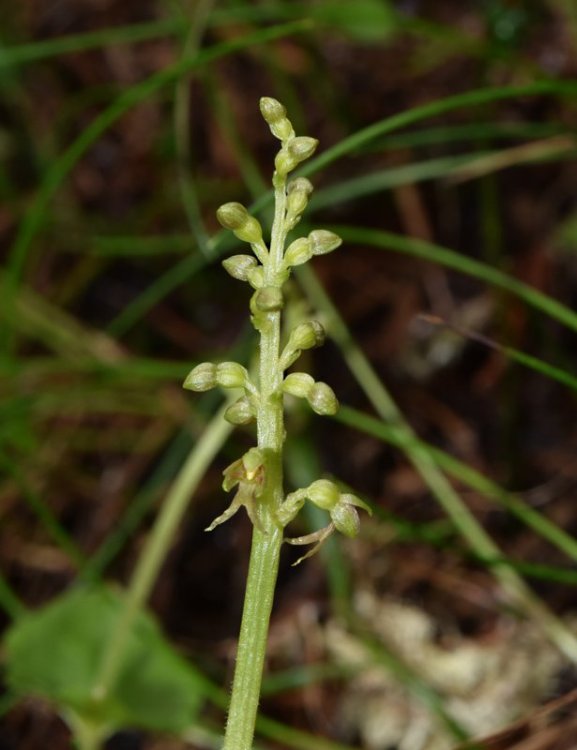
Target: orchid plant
point(257, 476)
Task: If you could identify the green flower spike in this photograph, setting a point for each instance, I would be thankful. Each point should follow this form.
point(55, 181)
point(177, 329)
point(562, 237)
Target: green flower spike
point(257, 477)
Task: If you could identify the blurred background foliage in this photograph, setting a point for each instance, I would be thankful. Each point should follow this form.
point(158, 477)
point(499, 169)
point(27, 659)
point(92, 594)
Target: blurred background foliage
point(447, 163)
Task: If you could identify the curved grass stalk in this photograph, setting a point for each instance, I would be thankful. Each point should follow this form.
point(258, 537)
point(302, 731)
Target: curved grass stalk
point(157, 547)
point(399, 437)
point(469, 266)
point(520, 596)
point(62, 166)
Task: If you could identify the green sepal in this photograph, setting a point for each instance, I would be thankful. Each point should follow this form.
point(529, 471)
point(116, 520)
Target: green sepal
point(231, 375)
point(201, 378)
point(322, 399)
point(239, 266)
point(298, 384)
point(240, 412)
point(234, 216)
point(323, 242)
point(346, 519)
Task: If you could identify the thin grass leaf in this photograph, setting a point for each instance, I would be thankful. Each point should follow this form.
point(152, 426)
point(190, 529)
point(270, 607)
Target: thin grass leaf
point(374, 182)
point(526, 360)
point(458, 262)
point(395, 435)
point(42, 50)
point(471, 99)
point(421, 458)
point(60, 168)
point(180, 274)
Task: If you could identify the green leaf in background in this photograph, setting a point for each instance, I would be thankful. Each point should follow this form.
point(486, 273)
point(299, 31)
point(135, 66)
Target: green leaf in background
point(55, 653)
point(365, 20)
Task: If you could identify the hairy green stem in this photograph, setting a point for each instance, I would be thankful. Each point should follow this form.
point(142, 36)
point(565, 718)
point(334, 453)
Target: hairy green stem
point(267, 540)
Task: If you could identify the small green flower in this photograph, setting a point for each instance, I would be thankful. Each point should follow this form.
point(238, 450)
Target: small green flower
point(241, 412)
point(231, 375)
point(298, 252)
point(298, 192)
point(324, 494)
point(296, 151)
point(346, 519)
point(239, 266)
point(255, 277)
point(298, 384)
point(323, 241)
point(235, 217)
point(201, 378)
point(274, 114)
point(322, 399)
point(307, 335)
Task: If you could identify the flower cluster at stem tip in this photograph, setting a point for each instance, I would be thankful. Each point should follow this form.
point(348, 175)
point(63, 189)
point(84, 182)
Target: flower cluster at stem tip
point(266, 272)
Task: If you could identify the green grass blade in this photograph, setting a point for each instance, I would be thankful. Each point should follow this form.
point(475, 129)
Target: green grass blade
point(521, 358)
point(199, 13)
point(423, 461)
point(471, 99)
point(395, 435)
point(41, 50)
point(374, 182)
point(59, 170)
point(456, 261)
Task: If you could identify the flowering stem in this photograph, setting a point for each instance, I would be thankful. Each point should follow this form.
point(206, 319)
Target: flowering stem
point(266, 540)
point(257, 475)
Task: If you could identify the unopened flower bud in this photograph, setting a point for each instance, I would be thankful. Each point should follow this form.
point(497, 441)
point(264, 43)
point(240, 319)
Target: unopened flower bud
point(324, 494)
point(346, 519)
point(302, 147)
point(296, 150)
point(298, 192)
point(307, 335)
point(271, 109)
point(255, 277)
point(322, 399)
point(269, 299)
point(298, 252)
point(284, 162)
point(201, 378)
point(238, 266)
point(275, 115)
point(235, 217)
point(231, 375)
point(241, 412)
point(298, 384)
point(323, 241)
